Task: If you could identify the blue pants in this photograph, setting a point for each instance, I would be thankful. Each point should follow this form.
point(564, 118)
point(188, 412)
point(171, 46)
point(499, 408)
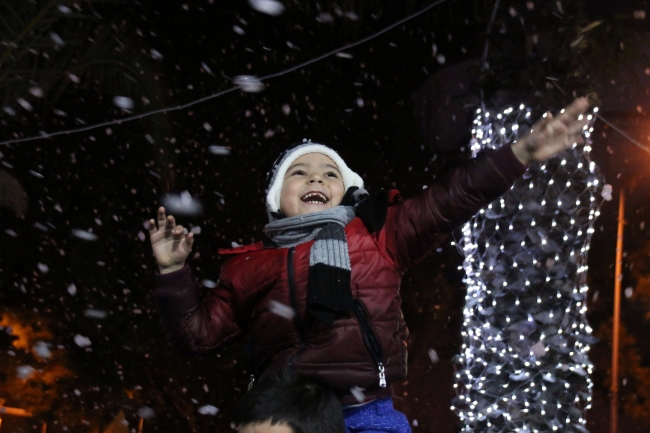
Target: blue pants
point(378, 416)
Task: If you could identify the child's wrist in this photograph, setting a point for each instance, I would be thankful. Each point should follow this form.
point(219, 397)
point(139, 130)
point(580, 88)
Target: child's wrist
point(171, 268)
point(519, 150)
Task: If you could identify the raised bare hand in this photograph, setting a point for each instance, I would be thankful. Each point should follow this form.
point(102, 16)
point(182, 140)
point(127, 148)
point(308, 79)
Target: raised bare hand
point(551, 135)
point(171, 243)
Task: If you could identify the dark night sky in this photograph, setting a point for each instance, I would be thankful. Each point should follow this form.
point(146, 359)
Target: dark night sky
point(110, 181)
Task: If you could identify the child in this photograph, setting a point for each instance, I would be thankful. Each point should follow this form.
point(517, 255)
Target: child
point(290, 402)
point(336, 256)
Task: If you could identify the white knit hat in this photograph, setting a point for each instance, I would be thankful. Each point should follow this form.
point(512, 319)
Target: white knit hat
point(284, 161)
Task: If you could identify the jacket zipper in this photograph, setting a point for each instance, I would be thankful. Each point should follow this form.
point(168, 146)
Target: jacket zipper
point(370, 339)
point(294, 304)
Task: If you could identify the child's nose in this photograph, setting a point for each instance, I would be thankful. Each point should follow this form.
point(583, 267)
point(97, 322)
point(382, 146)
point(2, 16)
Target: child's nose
point(315, 178)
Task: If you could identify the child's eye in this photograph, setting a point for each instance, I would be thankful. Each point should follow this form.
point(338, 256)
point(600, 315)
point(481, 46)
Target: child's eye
point(332, 174)
point(297, 172)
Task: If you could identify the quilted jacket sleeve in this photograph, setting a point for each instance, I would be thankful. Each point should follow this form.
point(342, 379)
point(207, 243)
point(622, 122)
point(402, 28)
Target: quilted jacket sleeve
point(417, 225)
point(195, 326)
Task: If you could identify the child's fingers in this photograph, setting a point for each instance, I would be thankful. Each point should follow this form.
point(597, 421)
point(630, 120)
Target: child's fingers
point(161, 216)
point(573, 139)
point(179, 232)
point(541, 124)
point(554, 129)
point(170, 223)
point(578, 126)
point(152, 226)
point(575, 126)
point(578, 139)
point(559, 146)
point(573, 110)
point(577, 136)
point(576, 108)
point(189, 241)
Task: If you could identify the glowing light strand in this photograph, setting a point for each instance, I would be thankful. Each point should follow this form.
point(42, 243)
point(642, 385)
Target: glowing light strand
point(523, 366)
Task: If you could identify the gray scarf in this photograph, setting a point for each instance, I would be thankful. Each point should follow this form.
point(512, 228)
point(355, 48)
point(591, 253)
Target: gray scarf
point(292, 231)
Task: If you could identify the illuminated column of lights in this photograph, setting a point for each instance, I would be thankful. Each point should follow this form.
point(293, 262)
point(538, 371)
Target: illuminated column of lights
point(523, 366)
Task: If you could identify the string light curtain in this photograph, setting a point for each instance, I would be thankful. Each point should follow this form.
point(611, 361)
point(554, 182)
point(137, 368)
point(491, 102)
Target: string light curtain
point(523, 366)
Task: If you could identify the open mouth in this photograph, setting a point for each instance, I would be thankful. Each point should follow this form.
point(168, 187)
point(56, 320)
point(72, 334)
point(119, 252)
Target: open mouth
point(314, 197)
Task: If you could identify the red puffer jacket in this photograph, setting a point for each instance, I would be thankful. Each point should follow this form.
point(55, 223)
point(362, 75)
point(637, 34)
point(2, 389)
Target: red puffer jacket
point(257, 279)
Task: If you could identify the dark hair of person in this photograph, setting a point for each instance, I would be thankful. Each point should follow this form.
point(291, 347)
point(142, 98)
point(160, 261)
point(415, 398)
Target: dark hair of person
point(305, 404)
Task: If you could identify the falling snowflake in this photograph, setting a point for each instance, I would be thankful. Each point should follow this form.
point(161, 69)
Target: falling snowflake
point(538, 349)
point(208, 410)
point(83, 234)
point(206, 68)
point(42, 350)
point(249, 83)
point(123, 102)
point(358, 394)
point(352, 16)
point(146, 412)
point(607, 192)
point(36, 91)
point(269, 7)
point(324, 17)
point(95, 314)
point(155, 54)
point(219, 150)
point(26, 105)
point(182, 203)
point(281, 309)
point(57, 39)
point(24, 372)
point(209, 284)
point(82, 341)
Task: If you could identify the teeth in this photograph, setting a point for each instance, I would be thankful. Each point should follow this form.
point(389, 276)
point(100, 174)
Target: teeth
point(315, 198)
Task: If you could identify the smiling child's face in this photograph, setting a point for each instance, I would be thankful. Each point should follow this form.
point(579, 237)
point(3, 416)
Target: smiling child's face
point(311, 184)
